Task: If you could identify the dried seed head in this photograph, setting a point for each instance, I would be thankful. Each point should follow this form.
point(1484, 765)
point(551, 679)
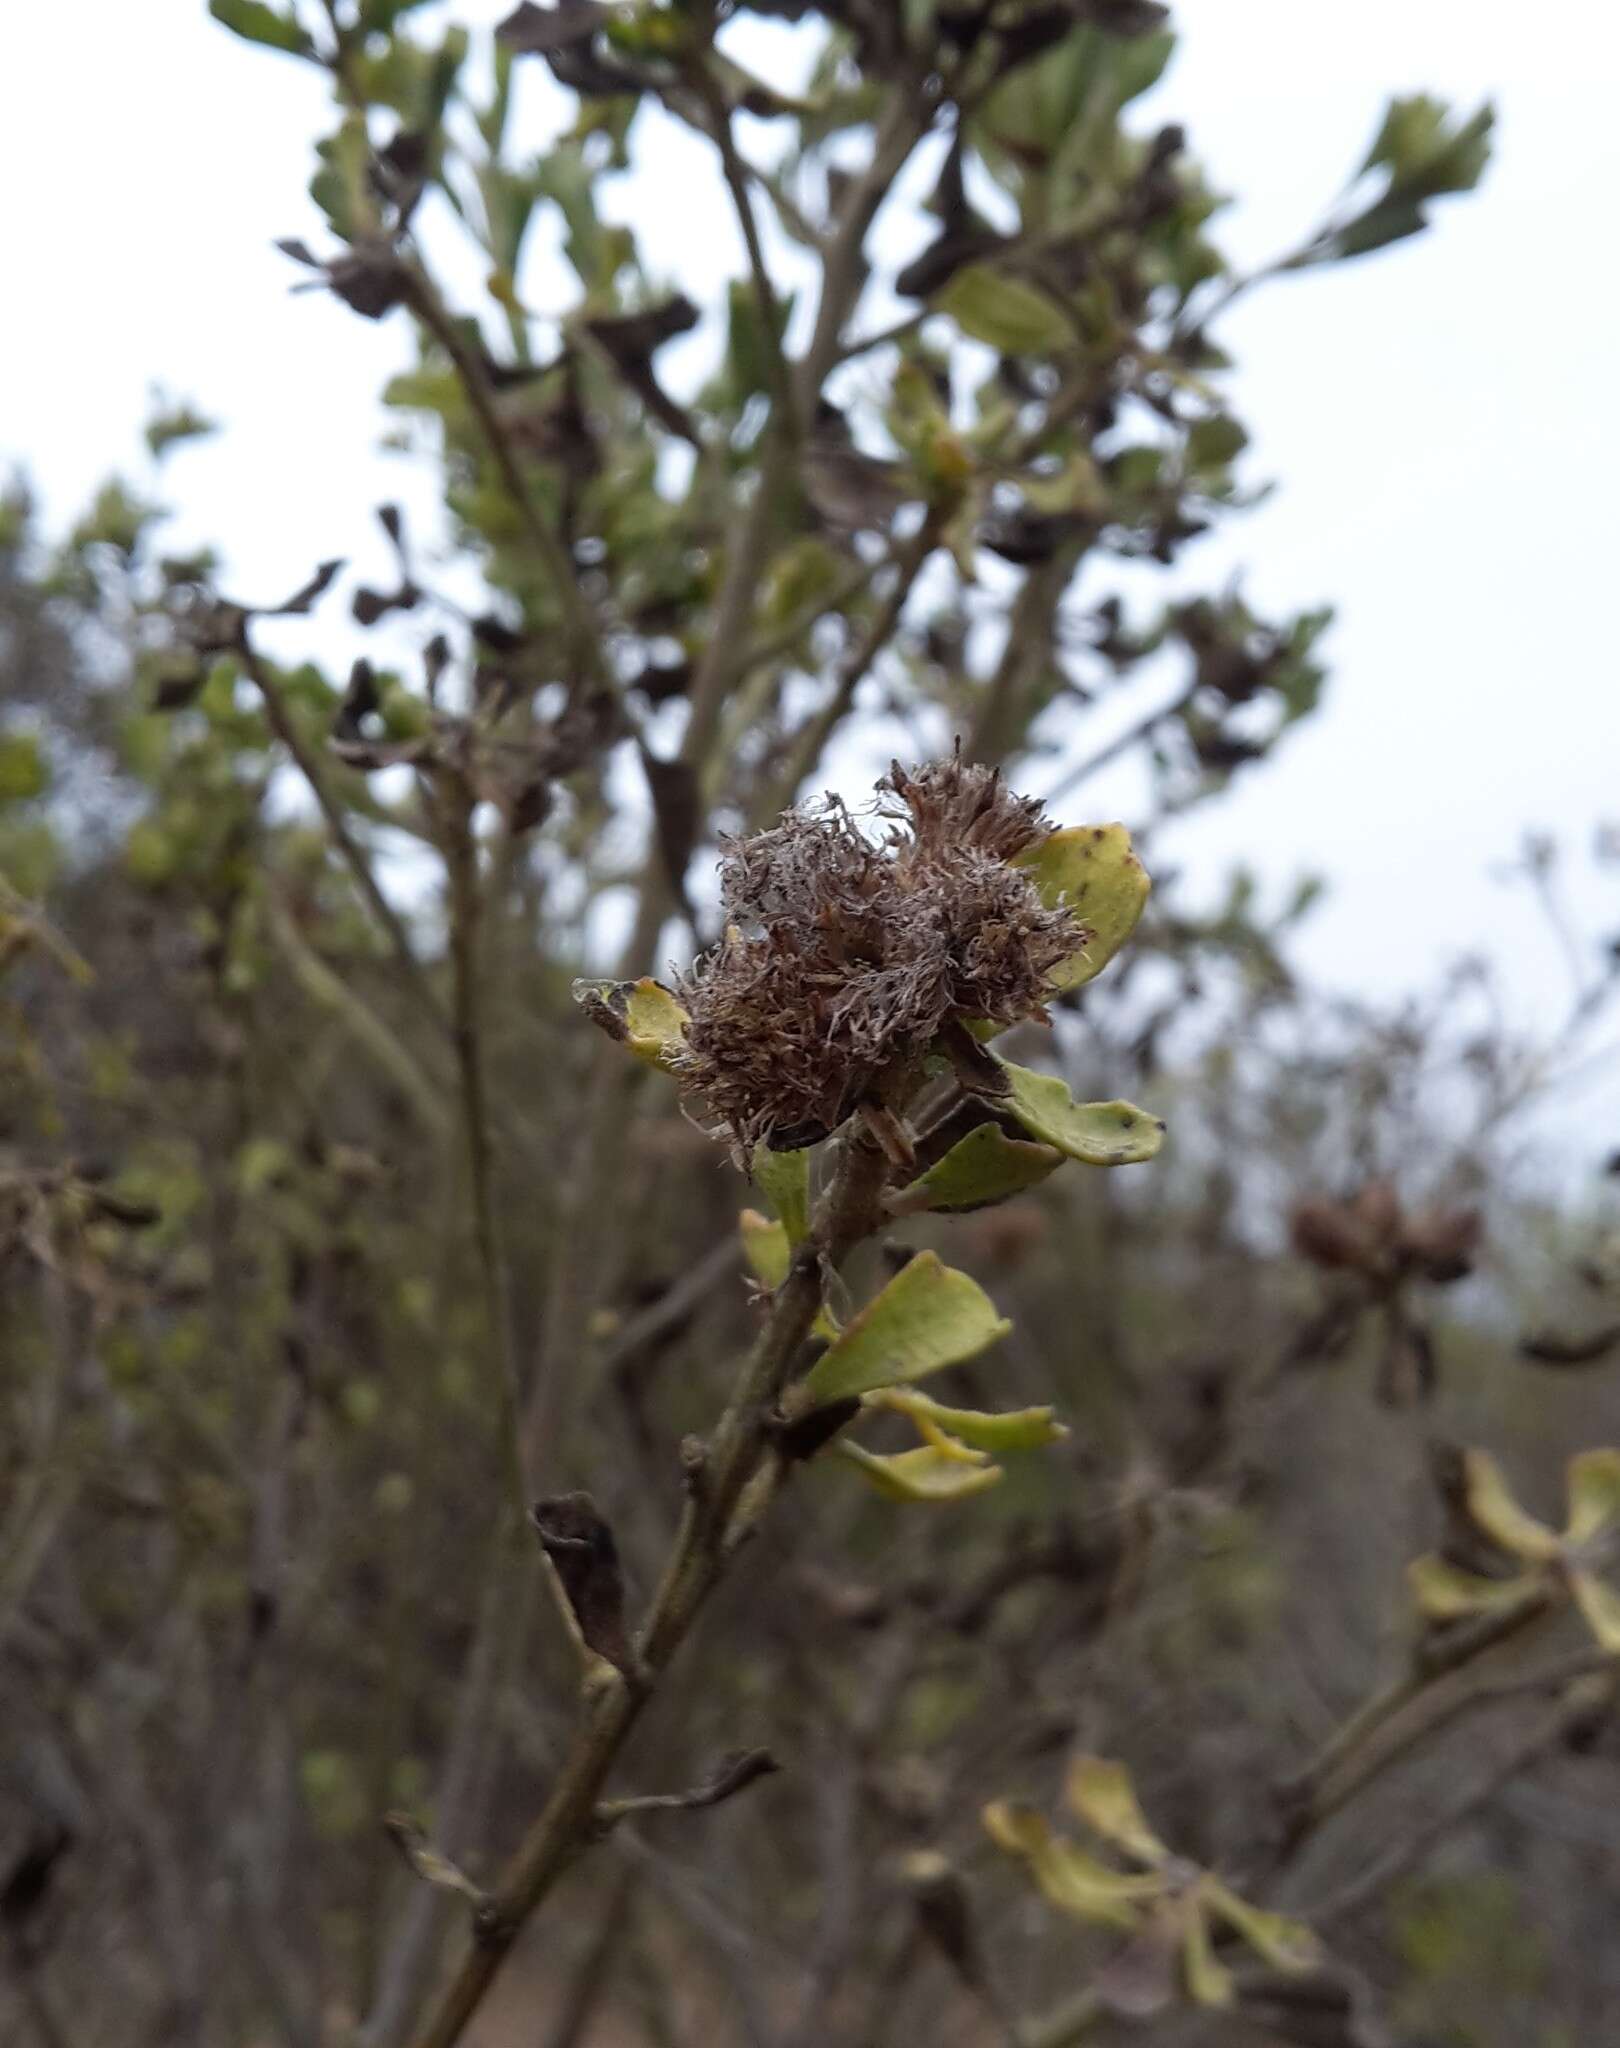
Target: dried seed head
point(844, 959)
point(953, 804)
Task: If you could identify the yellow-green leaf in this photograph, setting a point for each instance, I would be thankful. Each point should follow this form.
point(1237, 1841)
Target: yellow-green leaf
point(985, 1166)
point(1443, 1592)
point(1096, 1133)
point(1092, 871)
point(925, 1474)
point(785, 1180)
point(1209, 1982)
point(929, 1316)
point(1600, 1608)
point(1594, 1494)
point(1016, 1429)
point(642, 1015)
point(1004, 312)
point(1071, 1880)
point(1102, 1795)
point(1492, 1509)
point(765, 1247)
point(1286, 1944)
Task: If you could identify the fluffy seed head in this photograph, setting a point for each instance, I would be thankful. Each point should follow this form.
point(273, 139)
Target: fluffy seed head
point(845, 958)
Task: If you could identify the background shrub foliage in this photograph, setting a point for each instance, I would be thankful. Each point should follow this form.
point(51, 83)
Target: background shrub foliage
point(333, 1237)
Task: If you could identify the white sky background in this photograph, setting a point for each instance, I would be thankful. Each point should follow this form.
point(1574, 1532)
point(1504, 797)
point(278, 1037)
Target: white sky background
point(1440, 419)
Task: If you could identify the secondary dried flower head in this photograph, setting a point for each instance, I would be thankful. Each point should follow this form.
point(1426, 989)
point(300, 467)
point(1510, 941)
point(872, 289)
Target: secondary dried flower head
point(845, 958)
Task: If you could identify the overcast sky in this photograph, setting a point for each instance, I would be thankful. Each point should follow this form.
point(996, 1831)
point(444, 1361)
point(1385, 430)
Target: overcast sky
point(1439, 419)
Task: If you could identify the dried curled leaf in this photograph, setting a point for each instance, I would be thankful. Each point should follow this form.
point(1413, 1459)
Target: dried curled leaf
point(584, 1558)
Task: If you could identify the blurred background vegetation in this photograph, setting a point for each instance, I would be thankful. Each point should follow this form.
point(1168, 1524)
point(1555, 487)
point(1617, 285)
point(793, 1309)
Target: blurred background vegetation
point(317, 1194)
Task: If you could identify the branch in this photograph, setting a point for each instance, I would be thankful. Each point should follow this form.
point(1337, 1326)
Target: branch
point(466, 911)
point(740, 1475)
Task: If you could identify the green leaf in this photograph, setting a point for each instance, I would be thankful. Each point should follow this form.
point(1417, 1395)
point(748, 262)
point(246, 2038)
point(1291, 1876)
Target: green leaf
point(256, 23)
point(1004, 312)
point(1493, 1510)
point(1286, 1944)
point(1594, 1494)
point(1215, 441)
point(765, 1247)
point(1095, 1133)
point(928, 1317)
point(1102, 1795)
point(746, 349)
point(22, 767)
point(1444, 1592)
point(1092, 871)
point(642, 1015)
point(927, 1474)
point(1015, 1429)
point(986, 1166)
point(173, 424)
point(784, 1178)
point(1422, 155)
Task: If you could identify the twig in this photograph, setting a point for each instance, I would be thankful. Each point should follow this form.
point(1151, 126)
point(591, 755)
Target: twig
point(1029, 637)
point(286, 731)
point(770, 312)
point(1066, 2024)
point(589, 1980)
point(811, 740)
point(584, 637)
point(884, 337)
point(1581, 1700)
point(1309, 1791)
point(771, 646)
point(733, 1774)
point(1122, 743)
point(905, 122)
point(363, 1024)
